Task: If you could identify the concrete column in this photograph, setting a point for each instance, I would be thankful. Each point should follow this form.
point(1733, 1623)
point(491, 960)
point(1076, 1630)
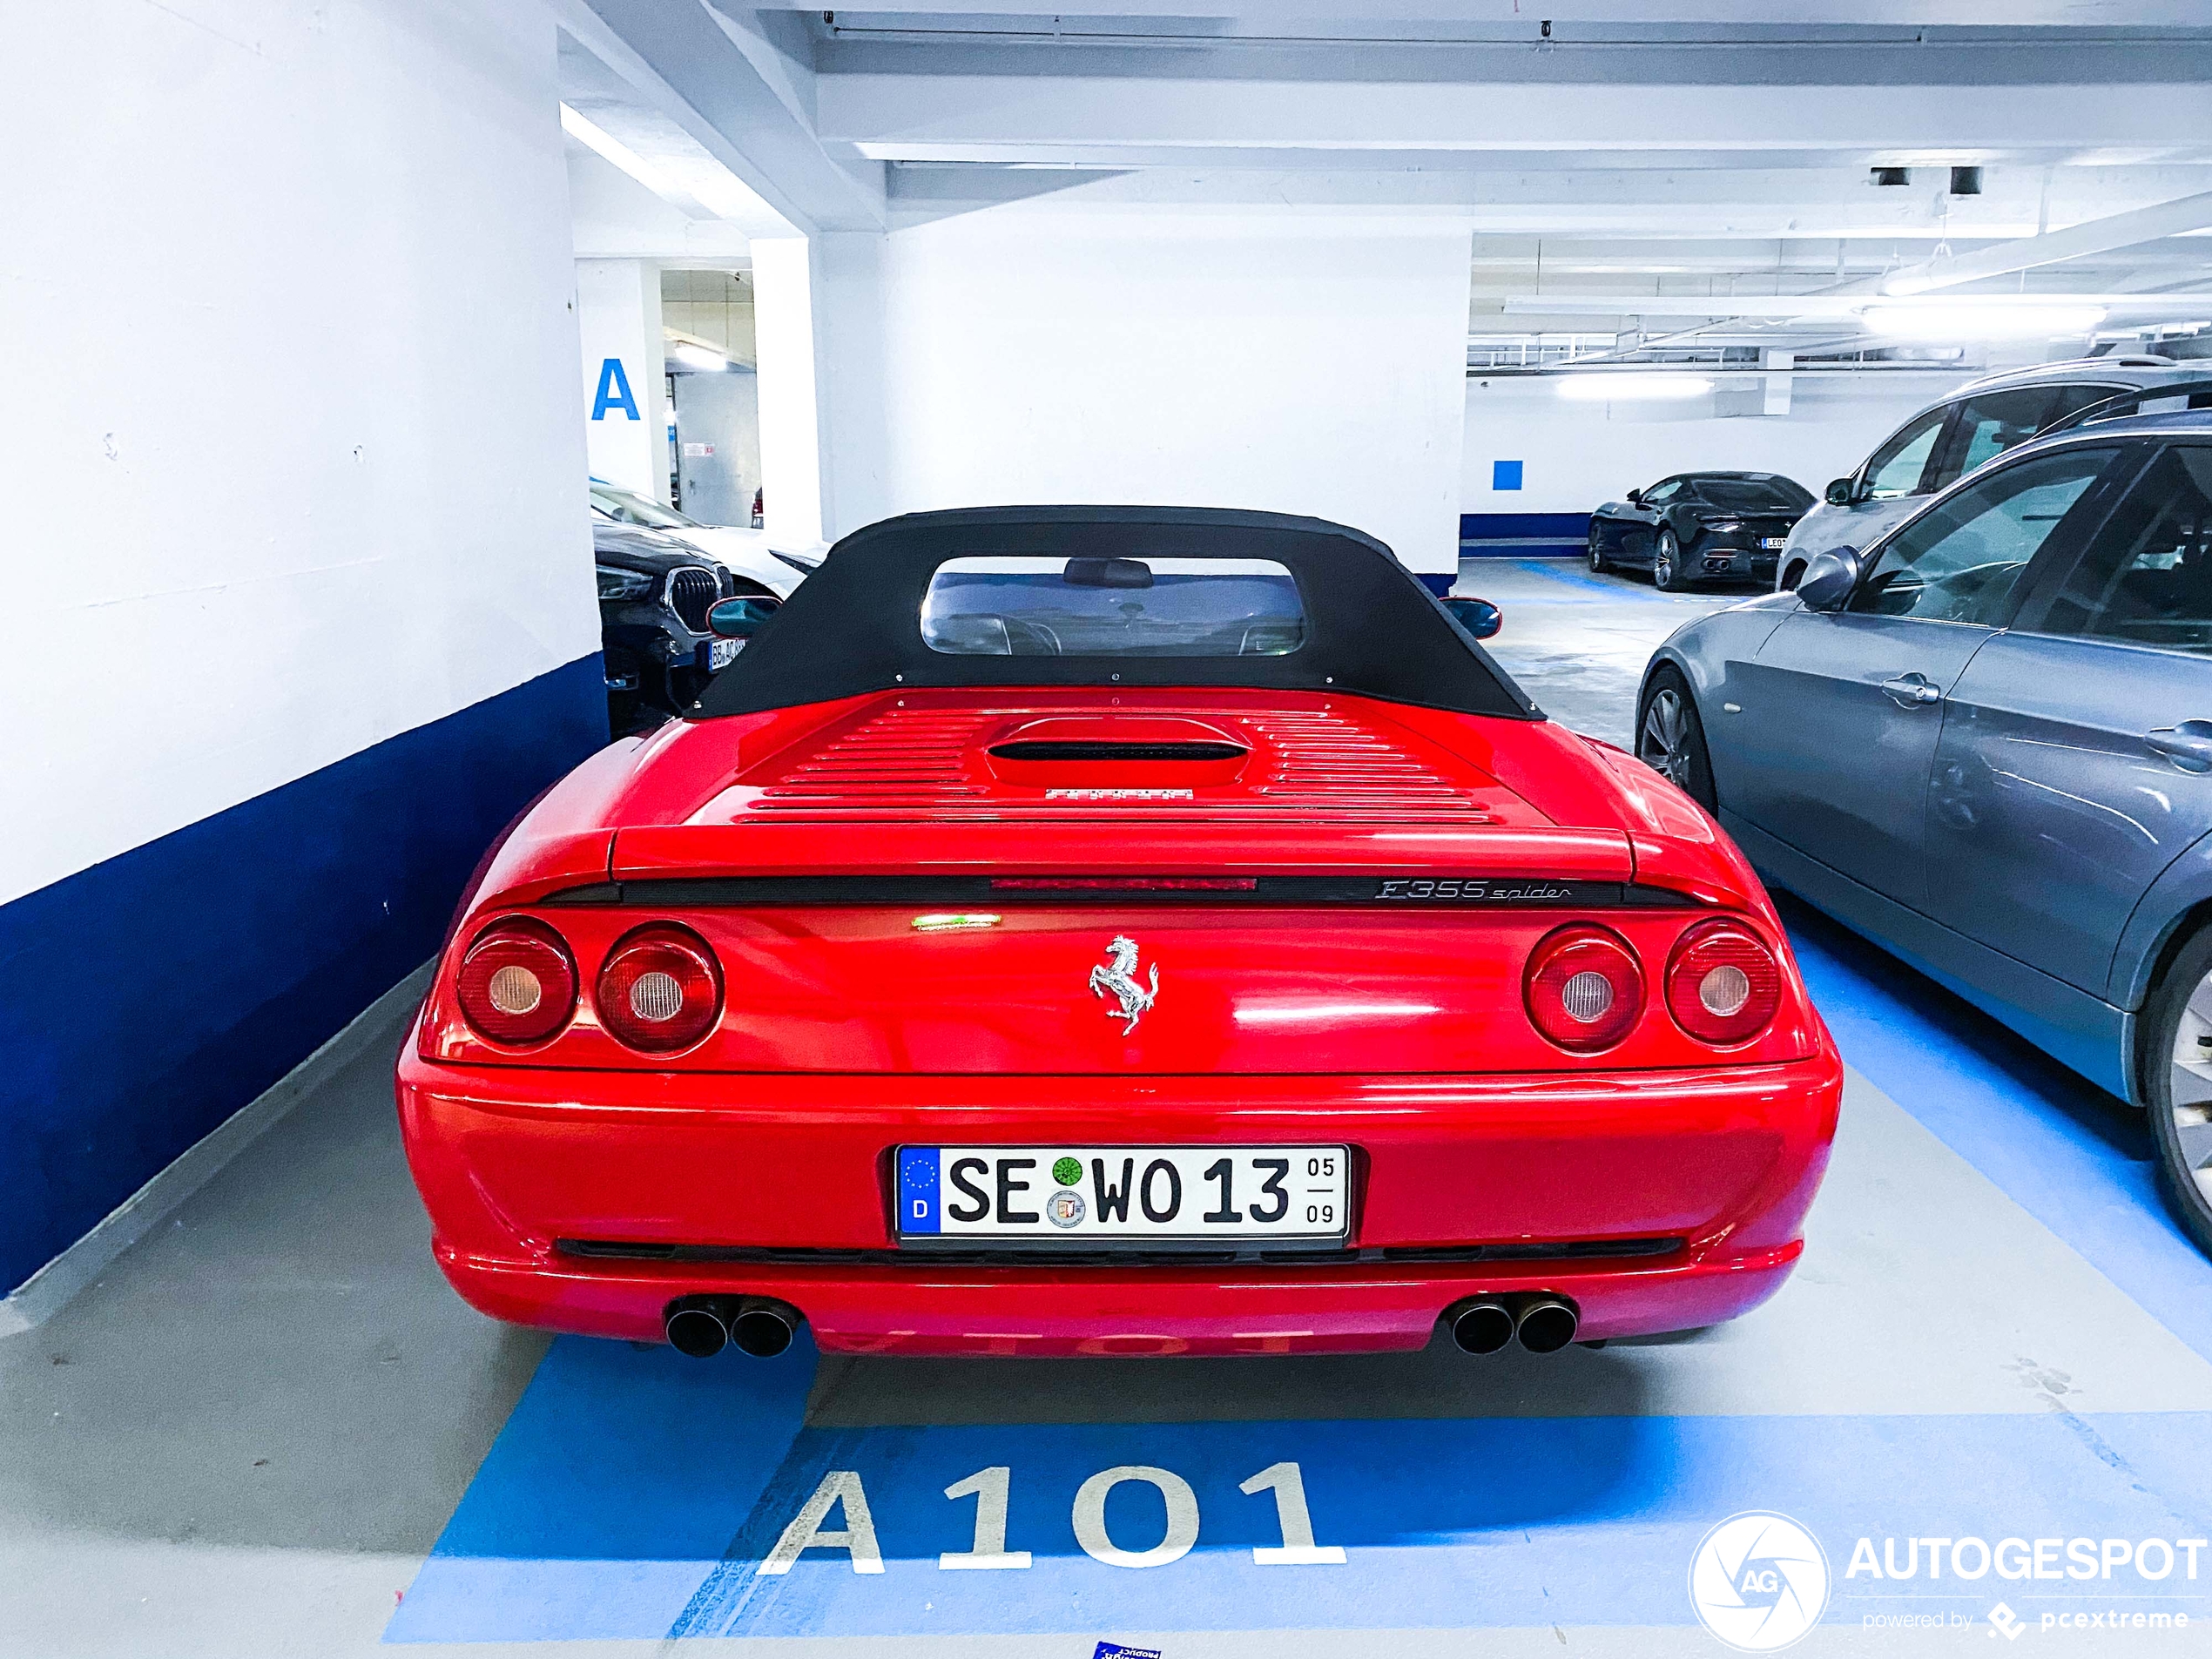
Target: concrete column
point(1776, 400)
point(791, 429)
point(625, 388)
point(818, 328)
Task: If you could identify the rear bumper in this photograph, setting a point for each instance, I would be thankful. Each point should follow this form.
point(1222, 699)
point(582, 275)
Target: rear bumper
point(1735, 561)
point(510, 1161)
point(1042, 1314)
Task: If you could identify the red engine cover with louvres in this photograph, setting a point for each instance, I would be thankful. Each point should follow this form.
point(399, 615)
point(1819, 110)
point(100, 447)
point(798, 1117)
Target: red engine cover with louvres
point(934, 753)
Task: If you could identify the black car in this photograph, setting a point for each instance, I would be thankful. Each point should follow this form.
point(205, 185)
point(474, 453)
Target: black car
point(1701, 526)
point(654, 594)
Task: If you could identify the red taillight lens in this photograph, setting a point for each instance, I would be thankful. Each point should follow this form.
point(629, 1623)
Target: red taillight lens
point(517, 983)
point(1722, 983)
point(1583, 987)
point(660, 989)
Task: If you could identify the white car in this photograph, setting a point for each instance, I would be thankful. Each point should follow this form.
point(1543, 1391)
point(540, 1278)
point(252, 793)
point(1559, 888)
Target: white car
point(1949, 439)
point(746, 553)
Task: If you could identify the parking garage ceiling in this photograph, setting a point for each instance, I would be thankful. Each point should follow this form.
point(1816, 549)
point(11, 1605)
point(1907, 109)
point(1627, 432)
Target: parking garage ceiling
point(1643, 170)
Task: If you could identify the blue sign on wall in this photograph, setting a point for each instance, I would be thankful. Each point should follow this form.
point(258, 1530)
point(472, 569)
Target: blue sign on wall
point(1505, 475)
point(614, 392)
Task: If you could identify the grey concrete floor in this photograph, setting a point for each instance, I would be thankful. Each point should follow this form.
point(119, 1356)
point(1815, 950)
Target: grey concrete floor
point(1578, 642)
point(245, 1439)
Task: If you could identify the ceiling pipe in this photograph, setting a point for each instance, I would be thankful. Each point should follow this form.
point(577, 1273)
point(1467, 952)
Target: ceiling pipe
point(2077, 241)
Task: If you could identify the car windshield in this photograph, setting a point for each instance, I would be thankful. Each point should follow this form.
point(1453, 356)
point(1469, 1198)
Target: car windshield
point(1752, 494)
point(1035, 606)
point(632, 508)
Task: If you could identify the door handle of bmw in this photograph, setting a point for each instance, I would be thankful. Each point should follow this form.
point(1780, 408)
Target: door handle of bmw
point(2188, 745)
point(1913, 691)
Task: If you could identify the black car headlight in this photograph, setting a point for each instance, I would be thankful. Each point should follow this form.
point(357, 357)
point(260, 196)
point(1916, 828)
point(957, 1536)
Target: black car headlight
point(623, 584)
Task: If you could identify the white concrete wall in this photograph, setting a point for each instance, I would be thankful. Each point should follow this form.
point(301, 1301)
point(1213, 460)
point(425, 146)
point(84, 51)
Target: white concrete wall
point(1307, 365)
point(1577, 454)
point(291, 437)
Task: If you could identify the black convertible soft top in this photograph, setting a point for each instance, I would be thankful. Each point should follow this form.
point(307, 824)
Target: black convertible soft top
point(855, 624)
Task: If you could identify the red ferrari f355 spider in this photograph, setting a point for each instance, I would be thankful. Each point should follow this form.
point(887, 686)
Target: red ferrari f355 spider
point(1116, 931)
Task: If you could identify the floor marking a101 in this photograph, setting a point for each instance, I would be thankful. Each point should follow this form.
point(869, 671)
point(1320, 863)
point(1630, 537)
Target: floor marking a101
point(842, 1490)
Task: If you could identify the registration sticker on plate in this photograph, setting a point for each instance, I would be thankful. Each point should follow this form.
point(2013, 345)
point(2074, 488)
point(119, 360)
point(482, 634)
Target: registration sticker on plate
point(1078, 1193)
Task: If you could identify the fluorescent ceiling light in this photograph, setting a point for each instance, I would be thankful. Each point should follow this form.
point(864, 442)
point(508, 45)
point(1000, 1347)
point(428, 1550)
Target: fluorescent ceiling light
point(699, 357)
point(610, 148)
point(1613, 388)
point(1980, 319)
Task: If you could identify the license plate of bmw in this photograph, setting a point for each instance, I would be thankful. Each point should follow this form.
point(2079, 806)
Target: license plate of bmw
point(1079, 1194)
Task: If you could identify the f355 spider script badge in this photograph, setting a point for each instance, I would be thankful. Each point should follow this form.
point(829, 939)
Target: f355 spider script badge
point(1116, 977)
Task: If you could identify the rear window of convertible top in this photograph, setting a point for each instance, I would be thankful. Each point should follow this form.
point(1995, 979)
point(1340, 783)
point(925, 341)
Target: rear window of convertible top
point(1041, 606)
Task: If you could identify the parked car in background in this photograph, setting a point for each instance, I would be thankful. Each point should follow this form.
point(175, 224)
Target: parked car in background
point(1700, 527)
point(660, 647)
point(758, 567)
point(1985, 742)
point(1950, 438)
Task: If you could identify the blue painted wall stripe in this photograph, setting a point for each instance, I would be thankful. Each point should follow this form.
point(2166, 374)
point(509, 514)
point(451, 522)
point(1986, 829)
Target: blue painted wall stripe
point(144, 999)
point(1520, 535)
point(1564, 527)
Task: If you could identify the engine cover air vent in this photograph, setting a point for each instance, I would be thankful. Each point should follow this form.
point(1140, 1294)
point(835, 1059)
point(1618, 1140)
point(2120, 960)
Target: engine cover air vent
point(1038, 748)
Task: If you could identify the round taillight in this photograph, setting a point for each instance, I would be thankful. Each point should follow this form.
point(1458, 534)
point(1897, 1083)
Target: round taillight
point(517, 983)
point(660, 989)
point(1583, 987)
point(1724, 983)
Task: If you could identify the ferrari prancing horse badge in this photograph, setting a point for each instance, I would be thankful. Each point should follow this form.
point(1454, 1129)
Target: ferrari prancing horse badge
point(1116, 977)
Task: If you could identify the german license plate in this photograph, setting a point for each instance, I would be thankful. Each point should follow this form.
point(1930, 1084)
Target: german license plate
point(1028, 1194)
point(1774, 541)
point(720, 653)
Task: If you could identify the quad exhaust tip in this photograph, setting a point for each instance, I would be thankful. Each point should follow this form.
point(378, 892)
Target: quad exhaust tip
point(703, 1325)
point(1544, 1323)
point(1483, 1326)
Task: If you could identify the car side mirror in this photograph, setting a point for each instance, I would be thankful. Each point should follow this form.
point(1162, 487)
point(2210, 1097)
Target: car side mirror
point(1635, 497)
point(741, 618)
point(1839, 492)
point(1478, 616)
point(1830, 575)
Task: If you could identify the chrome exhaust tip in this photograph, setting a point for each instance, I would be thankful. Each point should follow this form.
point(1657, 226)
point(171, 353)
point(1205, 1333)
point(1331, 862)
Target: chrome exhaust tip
point(1483, 1326)
point(1546, 1324)
point(762, 1328)
point(695, 1329)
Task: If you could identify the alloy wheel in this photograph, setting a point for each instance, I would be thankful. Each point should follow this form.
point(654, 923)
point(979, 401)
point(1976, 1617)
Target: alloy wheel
point(1662, 745)
point(2190, 1086)
point(1662, 562)
point(1597, 551)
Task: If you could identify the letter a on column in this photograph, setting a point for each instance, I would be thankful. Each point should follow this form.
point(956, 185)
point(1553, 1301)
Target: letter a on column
point(614, 392)
point(857, 1537)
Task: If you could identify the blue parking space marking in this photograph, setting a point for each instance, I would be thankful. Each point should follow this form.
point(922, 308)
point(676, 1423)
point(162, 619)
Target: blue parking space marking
point(610, 1494)
point(1566, 575)
point(637, 1495)
point(2079, 1160)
